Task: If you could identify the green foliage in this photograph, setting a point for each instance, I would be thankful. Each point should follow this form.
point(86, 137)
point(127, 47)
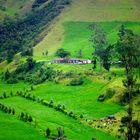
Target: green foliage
point(60, 135)
point(77, 81)
point(109, 93)
point(100, 44)
point(27, 52)
point(38, 3)
point(48, 132)
point(62, 53)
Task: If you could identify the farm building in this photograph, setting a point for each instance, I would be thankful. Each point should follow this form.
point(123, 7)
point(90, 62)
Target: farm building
point(71, 61)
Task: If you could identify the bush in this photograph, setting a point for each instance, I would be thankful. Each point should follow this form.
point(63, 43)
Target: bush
point(109, 93)
point(62, 53)
point(48, 132)
point(76, 82)
point(101, 98)
point(12, 80)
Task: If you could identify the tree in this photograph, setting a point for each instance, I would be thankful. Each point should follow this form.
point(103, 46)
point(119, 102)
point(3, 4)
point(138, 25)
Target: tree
point(60, 135)
point(13, 111)
point(30, 119)
point(6, 75)
point(62, 53)
point(48, 132)
point(4, 94)
point(107, 57)
point(27, 52)
point(22, 115)
point(99, 43)
point(94, 61)
point(30, 63)
point(127, 51)
point(80, 54)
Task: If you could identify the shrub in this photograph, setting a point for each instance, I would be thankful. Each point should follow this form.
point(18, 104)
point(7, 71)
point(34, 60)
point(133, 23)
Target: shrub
point(101, 98)
point(109, 93)
point(30, 119)
point(81, 116)
point(4, 95)
point(48, 132)
point(13, 111)
point(62, 53)
point(76, 82)
point(12, 80)
point(11, 93)
point(51, 103)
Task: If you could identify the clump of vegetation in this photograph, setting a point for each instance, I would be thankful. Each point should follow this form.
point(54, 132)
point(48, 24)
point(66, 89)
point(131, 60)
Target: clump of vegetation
point(107, 95)
point(30, 71)
point(77, 81)
point(62, 53)
point(25, 117)
point(6, 109)
point(59, 136)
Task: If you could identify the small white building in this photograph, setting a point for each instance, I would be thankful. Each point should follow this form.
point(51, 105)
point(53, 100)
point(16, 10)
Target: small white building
point(71, 61)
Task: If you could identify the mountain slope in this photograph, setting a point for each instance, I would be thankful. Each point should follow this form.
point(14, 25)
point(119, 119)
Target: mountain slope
point(12, 8)
point(87, 11)
point(19, 35)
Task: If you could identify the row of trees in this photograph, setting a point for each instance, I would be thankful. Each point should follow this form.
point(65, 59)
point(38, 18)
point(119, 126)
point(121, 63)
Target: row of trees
point(25, 117)
point(51, 104)
point(7, 109)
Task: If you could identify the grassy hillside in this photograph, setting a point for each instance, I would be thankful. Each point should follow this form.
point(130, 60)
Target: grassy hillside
point(87, 11)
point(77, 37)
point(12, 7)
point(47, 117)
point(10, 127)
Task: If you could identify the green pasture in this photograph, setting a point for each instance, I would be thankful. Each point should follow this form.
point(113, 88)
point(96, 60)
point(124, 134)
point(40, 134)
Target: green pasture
point(49, 118)
point(12, 128)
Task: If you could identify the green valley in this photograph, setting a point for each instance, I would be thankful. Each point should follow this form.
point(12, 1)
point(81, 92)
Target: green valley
point(69, 69)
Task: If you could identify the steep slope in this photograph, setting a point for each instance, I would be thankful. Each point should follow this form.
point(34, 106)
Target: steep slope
point(19, 35)
point(12, 8)
point(87, 11)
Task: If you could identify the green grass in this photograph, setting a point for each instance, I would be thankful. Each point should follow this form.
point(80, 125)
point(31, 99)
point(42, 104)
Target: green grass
point(77, 36)
point(12, 128)
point(13, 7)
point(4, 87)
point(80, 99)
point(48, 117)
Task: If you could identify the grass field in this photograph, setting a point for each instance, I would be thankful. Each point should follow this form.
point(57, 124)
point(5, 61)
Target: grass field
point(15, 6)
point(4, 87)
point(47, 117)
point(72, 97)
point(77, 36)
point(10, 126)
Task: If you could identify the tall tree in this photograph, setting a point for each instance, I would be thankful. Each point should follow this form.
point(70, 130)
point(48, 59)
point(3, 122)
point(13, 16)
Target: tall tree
point(127, 50)
point(99, 43)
